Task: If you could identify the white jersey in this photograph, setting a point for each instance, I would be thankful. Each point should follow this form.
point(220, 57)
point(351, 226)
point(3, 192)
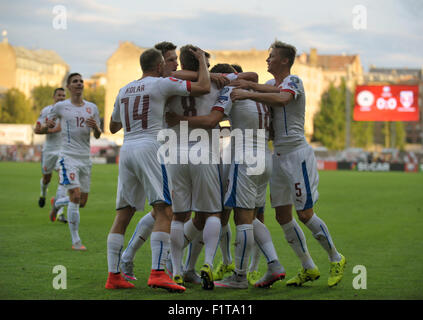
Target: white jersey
point(53, 140)
point(244, 114)
point(288, 121)
point(75, 132)
point(140, 104)
point(195, 106)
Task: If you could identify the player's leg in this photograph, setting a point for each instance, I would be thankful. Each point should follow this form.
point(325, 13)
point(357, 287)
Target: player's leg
point(275, 270)
point(243, 245)
point(160, 246)
point(287, 189)
point(141, 234)
point(44, 182)
point(211, 226)
point(253, 273)
point(226, 266)
point(193, 251)
point(115, 241)
point(178, 241)
point(74, 218)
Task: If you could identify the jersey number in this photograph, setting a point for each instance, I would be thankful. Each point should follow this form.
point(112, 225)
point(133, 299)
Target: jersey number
point(188, 103)
point(263, 115)
point(135, 115)
point(80, 122)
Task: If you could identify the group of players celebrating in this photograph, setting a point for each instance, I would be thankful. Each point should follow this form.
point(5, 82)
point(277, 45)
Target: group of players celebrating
point(195, 98)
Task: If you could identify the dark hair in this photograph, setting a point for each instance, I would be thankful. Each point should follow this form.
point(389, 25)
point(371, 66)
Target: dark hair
point(164, 47)
point(149, 59)
point(222, 68)
point(68, 81)
point(237, 67)
point(57, 89)
point(188, 60)
point(285, 51)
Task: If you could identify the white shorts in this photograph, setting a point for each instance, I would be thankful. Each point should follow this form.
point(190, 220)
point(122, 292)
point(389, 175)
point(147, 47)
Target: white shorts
point(294, 179)
point(141, 176)
point(247, 191)
point(75, 173)
point(196, 187)
point(49, 161)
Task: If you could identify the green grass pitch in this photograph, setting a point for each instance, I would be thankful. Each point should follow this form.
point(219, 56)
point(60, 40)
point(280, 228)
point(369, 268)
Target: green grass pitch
point(375, 220)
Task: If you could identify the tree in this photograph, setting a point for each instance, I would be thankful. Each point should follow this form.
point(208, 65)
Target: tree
point(329, 122)
point(96, 96)
point(16, 108)
point(42, 96)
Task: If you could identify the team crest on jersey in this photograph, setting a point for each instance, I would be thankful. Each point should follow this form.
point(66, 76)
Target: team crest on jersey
point(88, 110)
point(293, 85)
point(222, 99)
point(72, 176)
point(224, 90)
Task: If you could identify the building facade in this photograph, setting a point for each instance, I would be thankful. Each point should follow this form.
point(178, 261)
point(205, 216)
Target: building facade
point(316, 71)
point(25, 69)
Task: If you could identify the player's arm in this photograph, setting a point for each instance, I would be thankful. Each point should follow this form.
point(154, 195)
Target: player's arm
point(247, 84)
point(209, 121)
point(114, 126)
point(202, 86)
point(274, 99)
point(93, 124)
point(248, 76)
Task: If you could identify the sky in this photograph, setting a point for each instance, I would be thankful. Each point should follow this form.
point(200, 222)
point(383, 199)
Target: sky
point(386, 33)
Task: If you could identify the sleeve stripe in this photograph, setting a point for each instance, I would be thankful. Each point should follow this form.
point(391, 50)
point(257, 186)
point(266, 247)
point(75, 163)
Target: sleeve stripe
point(189, 86)
point(217, 108)
point(288, 90)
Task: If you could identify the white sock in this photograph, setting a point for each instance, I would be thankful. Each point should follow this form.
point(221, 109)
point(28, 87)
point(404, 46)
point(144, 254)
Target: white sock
point(114, 249)
point(61, 202)
point(73, 221)
point(141, 234)
point(160, 243)
point(244, 244)
point(190, 231)
point(321, 234)
point(194, 250)
point(296, 239)
point(43, 188)
point(176, 246)
point(225, 244)
point(255, 258)
point(211, 236)
point(264, 240)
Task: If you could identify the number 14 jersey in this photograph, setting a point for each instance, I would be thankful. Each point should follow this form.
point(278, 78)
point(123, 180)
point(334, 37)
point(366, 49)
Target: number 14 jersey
point(140, 104)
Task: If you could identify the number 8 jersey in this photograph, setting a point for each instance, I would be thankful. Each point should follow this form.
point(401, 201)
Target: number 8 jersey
point(140, 104)
point(75, 132)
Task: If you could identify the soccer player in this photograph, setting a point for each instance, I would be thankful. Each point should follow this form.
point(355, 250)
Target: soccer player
point(195, 187)
point(295, 178)
point(146, 223)
point(141, 175)
point(246, 192)
point(51, 148)
point(78, 118)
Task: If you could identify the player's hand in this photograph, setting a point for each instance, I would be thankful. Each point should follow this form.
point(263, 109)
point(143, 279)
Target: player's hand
point(198, 53)
point(50, 123)
point(239, 94)
point(241, 84)
point(219, 80)
point(173, 119)
point(91, 123)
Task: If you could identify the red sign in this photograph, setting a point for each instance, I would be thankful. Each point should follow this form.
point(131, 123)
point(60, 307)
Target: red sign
point(386, 103)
